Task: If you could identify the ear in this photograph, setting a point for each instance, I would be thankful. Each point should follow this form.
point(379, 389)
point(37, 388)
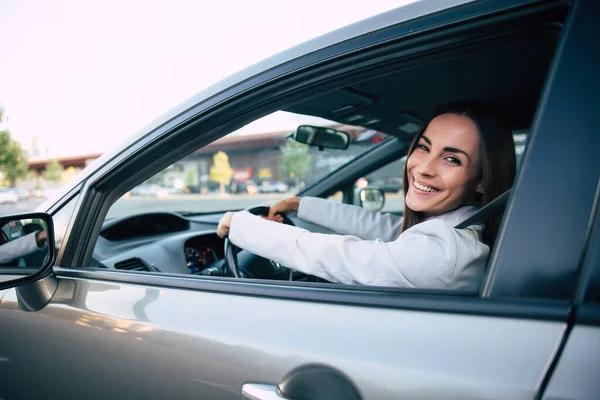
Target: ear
point(479, 188)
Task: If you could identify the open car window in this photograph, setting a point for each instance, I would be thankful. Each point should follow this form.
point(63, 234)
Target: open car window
point(260, 162)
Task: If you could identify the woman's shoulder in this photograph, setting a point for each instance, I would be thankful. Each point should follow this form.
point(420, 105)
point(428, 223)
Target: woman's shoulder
point(444, 225)
point(456, 216)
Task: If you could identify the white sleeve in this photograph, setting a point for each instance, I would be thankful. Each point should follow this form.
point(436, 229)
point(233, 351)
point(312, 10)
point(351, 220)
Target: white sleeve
point(423, 257)
point(18, 248)
point(350, 220)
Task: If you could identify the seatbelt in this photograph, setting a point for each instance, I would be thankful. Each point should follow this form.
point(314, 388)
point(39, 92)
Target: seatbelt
point(493, 209)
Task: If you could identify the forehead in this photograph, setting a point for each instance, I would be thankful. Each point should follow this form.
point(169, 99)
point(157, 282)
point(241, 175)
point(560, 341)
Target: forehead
point(453, 130)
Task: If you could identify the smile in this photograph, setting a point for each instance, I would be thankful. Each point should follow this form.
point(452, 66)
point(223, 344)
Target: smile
point(424, 188)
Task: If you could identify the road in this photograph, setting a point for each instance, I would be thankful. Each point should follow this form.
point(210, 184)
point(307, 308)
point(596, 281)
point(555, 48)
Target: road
point(21, 207)
point(190, 203)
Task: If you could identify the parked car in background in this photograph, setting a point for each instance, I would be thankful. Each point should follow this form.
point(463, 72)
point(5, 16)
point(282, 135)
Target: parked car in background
point(8, 196)
point(149, 190)
point(22, 194)
point(246, 187)
point(273, 187)
point(36, 194)
point(388, 185)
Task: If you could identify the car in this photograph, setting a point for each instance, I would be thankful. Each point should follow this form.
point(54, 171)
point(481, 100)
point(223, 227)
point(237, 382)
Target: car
point(22, 194)
point(8, 196)
point(138, 300)
point(272, 187)
point(389, 184)
point(245, 187)
point(144, 190)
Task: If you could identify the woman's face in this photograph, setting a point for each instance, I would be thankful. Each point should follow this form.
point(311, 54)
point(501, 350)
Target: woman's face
point(444, 169)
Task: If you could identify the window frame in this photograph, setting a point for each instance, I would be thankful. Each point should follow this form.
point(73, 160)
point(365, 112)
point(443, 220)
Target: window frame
point(176, 136)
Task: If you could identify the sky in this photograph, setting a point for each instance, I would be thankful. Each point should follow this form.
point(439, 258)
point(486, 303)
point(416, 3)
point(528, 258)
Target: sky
point(81, 76)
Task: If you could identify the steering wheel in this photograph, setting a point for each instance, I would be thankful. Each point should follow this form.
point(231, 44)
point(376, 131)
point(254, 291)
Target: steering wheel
point(231, 250)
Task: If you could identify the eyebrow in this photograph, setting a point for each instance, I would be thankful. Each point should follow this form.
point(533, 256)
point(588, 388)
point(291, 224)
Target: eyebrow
point(450, 149)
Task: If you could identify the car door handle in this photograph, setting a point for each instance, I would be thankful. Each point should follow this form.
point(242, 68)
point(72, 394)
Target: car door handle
point(257, 391)
point(313, 381)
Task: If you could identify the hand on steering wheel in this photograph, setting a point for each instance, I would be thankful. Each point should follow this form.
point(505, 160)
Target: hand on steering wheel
point(231, 250)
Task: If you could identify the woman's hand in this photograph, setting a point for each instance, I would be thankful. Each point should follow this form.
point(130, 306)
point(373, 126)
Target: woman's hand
point(285, 207)
point(40, 238)
point(224, 224)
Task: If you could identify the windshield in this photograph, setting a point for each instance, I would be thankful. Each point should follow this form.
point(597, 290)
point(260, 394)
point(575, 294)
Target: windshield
point(259, 163)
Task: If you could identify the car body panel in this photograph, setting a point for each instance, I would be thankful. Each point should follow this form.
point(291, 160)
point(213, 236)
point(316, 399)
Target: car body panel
point(190, 344)
point(576, 374)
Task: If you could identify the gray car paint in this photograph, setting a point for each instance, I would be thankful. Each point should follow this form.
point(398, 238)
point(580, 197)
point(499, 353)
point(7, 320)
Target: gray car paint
point(127, 341)
point(576, 375)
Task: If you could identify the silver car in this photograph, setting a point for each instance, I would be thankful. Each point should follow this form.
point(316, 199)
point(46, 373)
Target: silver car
point(133, 297)
point(8, 196)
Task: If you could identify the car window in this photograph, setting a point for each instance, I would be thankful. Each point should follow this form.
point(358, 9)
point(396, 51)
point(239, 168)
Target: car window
point(257, 163)
point(61, 221)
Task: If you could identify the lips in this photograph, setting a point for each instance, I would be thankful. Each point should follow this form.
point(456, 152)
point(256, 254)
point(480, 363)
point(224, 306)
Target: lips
point(424, 188)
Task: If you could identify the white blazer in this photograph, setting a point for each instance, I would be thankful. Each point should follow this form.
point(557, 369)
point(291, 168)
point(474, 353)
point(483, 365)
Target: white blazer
point(18, 248)
point(369, 248)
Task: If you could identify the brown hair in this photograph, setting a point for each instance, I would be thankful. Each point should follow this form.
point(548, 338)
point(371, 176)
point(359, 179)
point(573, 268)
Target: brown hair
point(498, 167)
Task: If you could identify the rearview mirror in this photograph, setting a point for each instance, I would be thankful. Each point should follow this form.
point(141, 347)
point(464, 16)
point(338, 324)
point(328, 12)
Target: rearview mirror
point(322, 137)
point(372, 199)
point(26, 247)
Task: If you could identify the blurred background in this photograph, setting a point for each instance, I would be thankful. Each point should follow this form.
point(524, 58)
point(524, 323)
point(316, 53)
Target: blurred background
point(77, 78)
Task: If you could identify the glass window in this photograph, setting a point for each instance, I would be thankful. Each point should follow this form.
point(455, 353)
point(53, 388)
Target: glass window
point(256, 164)
point(61, 221)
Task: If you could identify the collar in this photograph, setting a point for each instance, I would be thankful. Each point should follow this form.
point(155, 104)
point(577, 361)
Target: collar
point(456, 216)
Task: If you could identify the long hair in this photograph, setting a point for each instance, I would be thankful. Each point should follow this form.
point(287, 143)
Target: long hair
point(498, 166)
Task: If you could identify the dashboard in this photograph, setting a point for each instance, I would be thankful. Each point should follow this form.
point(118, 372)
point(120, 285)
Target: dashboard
point(201, 253)
point(161, 242)
point(172, 243)
point(197, 259)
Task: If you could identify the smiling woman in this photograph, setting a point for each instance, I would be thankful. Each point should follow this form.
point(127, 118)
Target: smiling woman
point(465, 155)
point(462, 159)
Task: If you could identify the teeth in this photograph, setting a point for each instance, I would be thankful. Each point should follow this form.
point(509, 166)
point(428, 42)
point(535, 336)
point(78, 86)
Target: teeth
point(424, 188)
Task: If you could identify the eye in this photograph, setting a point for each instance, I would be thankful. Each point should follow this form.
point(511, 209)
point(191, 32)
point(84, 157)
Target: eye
point(421, 146)
point(453, 160)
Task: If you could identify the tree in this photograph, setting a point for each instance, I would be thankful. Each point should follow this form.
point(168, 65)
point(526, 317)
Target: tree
point(191, 175)
point(54, 171)
point(295, 159)
point(13, 160)
point(221, 170)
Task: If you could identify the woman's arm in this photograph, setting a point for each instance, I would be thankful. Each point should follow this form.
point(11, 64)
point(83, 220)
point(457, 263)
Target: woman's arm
point(425, 257)
point(350, 220)
point(22, 246)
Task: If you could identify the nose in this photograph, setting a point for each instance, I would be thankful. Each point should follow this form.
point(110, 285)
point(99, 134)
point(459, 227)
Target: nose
point(426, 166)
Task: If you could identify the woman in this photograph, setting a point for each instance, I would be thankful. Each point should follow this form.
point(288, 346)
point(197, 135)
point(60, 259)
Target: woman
point(463, 159)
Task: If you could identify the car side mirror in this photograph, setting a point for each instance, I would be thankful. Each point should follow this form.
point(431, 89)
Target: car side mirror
point(372, 199)
point(27, 248)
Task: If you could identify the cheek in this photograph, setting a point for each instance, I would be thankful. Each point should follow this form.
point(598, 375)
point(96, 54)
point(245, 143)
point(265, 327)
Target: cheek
point(458, 181)
point(412, 161)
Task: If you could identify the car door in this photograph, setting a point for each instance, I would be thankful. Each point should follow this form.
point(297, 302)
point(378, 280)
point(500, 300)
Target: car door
point(574, 374)
point(141, 335)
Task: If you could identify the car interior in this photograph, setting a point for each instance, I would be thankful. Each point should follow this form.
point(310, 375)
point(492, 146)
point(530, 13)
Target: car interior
point(506, 69)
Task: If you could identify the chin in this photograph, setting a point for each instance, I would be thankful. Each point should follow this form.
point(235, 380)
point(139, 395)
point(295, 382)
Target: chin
point(416, 206)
